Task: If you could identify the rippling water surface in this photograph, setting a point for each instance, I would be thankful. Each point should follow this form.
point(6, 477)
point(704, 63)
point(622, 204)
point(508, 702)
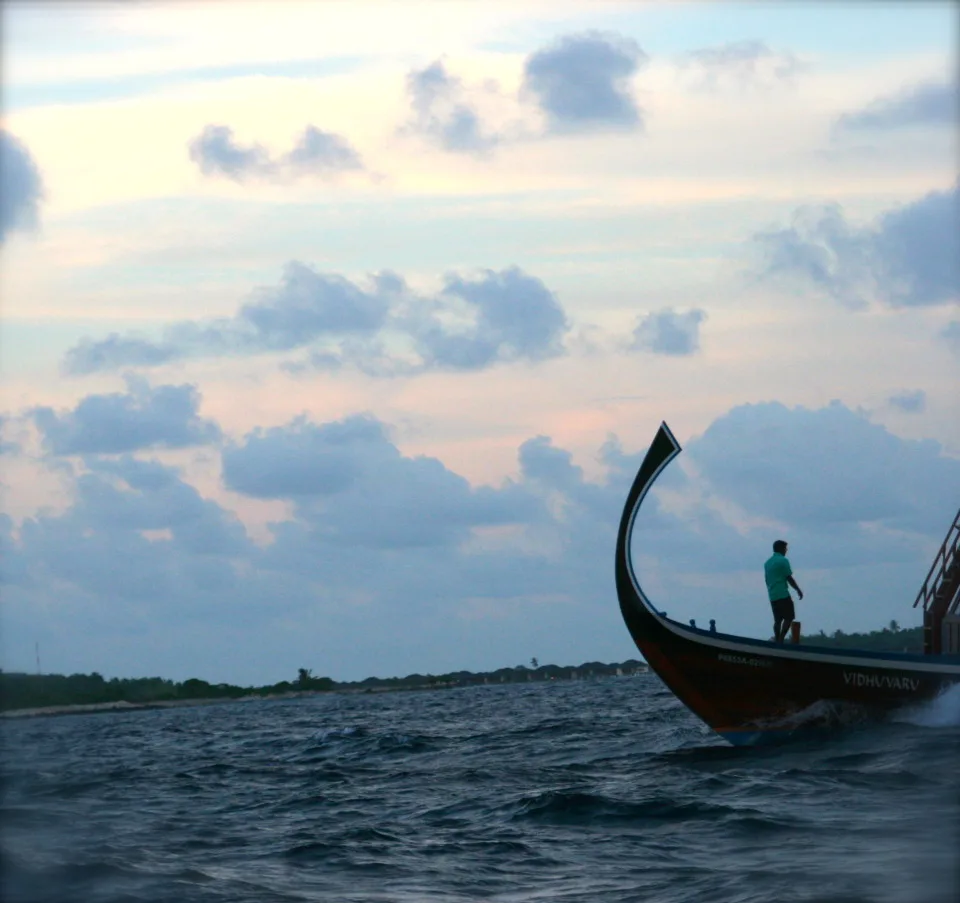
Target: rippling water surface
point(605, 790)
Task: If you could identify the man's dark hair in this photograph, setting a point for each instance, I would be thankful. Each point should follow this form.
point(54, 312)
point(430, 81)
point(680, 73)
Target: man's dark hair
point(780, 547)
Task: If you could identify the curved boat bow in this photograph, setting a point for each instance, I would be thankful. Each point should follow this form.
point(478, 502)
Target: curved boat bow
point(752, 691)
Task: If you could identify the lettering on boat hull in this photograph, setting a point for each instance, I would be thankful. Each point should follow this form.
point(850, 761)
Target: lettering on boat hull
point(890, 682)
point(744, 660)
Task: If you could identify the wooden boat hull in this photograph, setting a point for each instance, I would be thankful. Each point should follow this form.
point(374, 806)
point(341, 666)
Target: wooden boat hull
point(753, 691)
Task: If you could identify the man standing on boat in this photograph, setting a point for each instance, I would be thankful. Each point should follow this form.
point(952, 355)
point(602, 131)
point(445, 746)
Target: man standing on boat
point(779, 575)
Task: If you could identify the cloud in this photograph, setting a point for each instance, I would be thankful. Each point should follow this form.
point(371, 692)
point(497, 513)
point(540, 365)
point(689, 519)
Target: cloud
point(305, 306)
point(927, 103)
point(316, 152)
point(820, 474)
point(511, 316)
point(7, 446)
point(747, 63)
point(906, 259)
point(819, 469)
point(383, 330)
point(116, 352)
point(301, 459)
point(582, 81)
point(99, 546)
point(21, 188)
point(161, 417)
point(216, 152)
point(396, 563)
point(354, 487)
point(951, 335)
point(820, 247)
point(153, 496)
point(541, 462)
point(669, 332)
point(910, 402)
point(916, 249)
point(443, 113)
point(13, 569)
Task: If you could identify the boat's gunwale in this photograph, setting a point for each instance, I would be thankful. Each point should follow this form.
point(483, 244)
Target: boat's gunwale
point(804, 651)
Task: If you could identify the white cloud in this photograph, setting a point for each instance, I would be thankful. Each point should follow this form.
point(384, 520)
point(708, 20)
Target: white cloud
point(584, 82)
point(669, 332)
point(146, 417)
point(470, 324)
point(907, 259)
point(21, 186)
point(909, 402)
point(745, 64)
point(930, 103)
point(390, 539)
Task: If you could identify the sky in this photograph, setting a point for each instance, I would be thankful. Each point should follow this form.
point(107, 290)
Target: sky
point(332, 334)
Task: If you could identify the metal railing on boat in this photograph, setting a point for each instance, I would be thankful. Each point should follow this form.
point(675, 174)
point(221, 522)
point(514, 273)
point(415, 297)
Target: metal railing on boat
point(940, 596)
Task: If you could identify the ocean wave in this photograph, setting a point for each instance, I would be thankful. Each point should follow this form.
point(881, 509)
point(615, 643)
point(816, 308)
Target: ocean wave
point(602, 790)
point(581, 806)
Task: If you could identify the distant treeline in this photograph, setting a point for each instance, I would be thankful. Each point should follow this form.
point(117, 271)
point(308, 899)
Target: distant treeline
point(520, 673)
point(29, 691)
point(890, 639)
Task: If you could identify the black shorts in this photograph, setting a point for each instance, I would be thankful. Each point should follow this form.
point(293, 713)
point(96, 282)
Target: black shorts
point(783, 609)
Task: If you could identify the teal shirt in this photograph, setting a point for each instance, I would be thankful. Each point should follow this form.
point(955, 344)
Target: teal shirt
point(776, 569)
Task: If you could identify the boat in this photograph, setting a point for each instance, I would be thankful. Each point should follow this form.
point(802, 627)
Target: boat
point(753, 691)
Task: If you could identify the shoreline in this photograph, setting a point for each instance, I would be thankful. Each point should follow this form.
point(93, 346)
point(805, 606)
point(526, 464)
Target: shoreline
point(124, 706)
point(121, 705)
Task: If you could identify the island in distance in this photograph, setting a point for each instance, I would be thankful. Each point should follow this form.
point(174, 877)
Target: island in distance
point(23, 695)
point(56, 694)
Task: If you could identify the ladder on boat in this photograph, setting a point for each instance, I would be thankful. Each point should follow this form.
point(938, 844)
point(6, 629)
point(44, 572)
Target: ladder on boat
point(940, 596)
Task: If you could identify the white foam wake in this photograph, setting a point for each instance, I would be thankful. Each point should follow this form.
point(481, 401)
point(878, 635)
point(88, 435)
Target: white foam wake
point(942, 711)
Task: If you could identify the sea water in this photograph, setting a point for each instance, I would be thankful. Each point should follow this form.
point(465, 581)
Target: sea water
point(601, 790)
